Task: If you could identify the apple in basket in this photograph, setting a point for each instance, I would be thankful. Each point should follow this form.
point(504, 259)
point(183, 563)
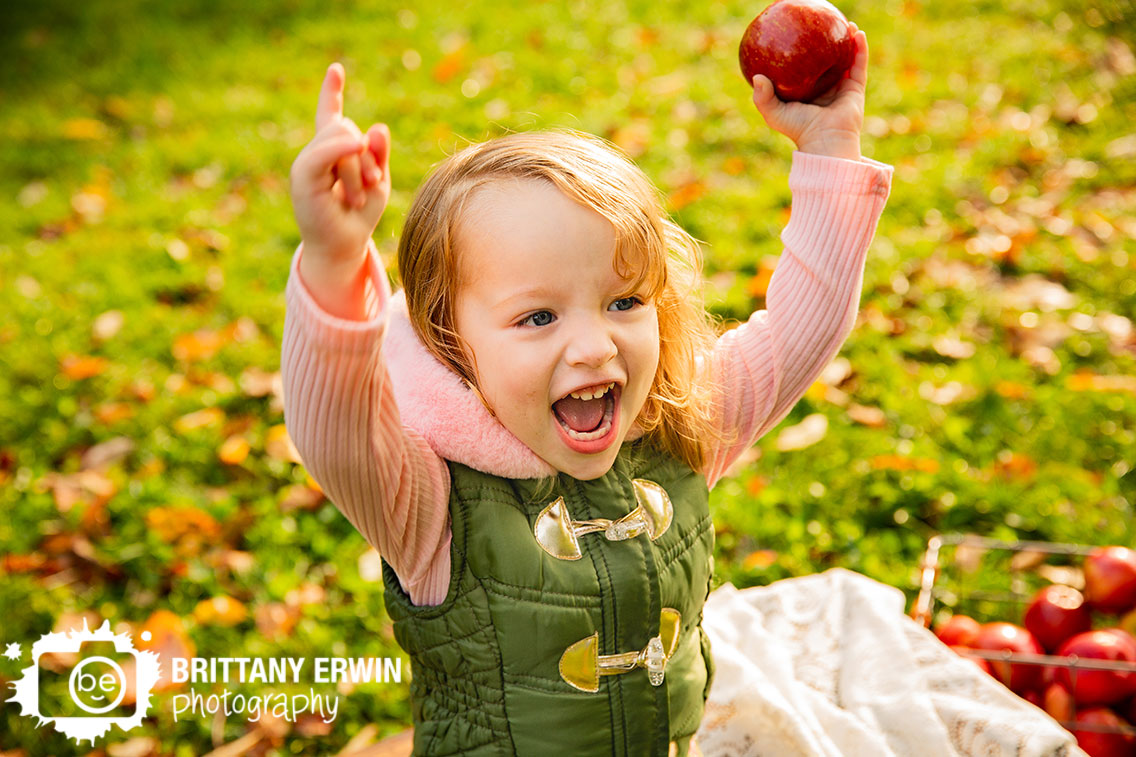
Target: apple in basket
point(958, 631)
point(1099, 686)
point(1058, 702)
point(1057, 613)
point(1110, 579)
point(805, 47)
point(1103, 733)
point(1020, 677)
point(982, 663)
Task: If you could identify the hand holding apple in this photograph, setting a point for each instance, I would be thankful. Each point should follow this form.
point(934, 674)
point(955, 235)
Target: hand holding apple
point(805, 47)
point(831, 123)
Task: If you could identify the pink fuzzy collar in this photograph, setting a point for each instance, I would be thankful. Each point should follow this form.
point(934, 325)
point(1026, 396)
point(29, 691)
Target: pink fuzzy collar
point(434, 401)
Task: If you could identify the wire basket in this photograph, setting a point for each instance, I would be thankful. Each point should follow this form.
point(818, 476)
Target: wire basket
point(993, 580)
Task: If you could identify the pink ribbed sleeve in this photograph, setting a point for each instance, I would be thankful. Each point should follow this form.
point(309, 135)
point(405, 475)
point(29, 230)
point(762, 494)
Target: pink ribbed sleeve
point(342, 417)
point(767, 363)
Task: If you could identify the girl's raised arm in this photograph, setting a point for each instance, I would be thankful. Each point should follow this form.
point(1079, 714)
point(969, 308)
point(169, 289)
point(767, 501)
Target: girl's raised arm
point(766, 364)
point(338, 404)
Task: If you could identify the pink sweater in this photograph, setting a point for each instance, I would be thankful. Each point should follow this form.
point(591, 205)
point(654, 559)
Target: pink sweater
point(375, 416)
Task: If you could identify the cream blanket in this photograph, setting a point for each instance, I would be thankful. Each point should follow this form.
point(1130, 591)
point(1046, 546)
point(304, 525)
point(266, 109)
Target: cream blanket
point(829, 665)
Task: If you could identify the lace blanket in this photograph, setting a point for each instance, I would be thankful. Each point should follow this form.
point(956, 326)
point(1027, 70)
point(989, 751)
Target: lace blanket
point(829, 665)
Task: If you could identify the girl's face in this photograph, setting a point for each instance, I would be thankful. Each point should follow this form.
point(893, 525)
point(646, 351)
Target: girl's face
point(546, 316)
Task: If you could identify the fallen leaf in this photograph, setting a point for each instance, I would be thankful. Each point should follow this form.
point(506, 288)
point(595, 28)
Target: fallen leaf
point(105, 454)
point(199, 419)
point(107, 325)
point(866, 415)
point(82, 129)
point(234, 450)
point(275, 620)
point(279, 445)
point(804, 434)
point(904, 463)
point(221, 610)
point(78, 367)
point(164, 633)
point(760, 559)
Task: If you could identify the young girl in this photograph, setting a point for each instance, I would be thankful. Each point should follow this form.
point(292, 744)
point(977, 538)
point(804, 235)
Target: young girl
point(529, 436)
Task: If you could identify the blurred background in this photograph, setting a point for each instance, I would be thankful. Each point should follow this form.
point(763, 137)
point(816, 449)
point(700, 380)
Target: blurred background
point(146, 477)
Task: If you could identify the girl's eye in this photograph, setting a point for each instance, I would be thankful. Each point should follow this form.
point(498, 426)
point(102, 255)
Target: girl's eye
point(539, 318)
point(625, 304)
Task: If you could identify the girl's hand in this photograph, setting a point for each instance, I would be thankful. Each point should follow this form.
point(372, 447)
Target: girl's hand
point(340, 180)
point(829, 125)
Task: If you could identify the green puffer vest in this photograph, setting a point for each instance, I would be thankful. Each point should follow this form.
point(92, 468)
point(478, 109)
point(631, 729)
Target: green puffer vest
point(491, 665)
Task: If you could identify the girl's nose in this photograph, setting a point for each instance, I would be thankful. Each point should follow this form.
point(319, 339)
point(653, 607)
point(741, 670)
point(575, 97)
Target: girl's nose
point(591, 347)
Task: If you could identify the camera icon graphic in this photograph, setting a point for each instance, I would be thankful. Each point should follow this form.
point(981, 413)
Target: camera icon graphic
point(85, 682)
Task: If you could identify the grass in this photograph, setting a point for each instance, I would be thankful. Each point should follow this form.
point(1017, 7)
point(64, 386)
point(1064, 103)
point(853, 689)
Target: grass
point(146, 233)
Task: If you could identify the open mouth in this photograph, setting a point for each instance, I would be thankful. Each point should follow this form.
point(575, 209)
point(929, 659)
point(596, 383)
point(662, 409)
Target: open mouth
point(588, 414)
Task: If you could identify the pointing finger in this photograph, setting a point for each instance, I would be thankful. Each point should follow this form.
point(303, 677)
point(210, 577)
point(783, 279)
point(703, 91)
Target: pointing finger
point(331, 96)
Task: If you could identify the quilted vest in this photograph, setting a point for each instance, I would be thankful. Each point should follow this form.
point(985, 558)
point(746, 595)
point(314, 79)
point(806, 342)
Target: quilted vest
point(572, 623)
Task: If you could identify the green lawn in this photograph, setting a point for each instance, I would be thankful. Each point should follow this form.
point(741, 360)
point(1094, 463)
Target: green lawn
point(146, 231)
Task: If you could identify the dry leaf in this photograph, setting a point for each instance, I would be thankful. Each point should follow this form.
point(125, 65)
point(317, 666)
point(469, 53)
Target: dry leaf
point(84, 129)
point(209, 416)
point(806, 433)
point(105, 454)
point(107, 325)
point(220, 610)
point(279, 445)
point(759, 559)
point(234, 450)
point(904, 463)
point(866, 415)
point(78, 367)
point(275, 620)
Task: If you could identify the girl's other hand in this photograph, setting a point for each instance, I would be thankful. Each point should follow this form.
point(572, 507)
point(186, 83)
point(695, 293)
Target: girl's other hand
point(340, 180)
point(829, 125)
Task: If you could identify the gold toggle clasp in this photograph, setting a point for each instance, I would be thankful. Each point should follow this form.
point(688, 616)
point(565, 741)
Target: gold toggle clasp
point(558, 534)
point(581, 665)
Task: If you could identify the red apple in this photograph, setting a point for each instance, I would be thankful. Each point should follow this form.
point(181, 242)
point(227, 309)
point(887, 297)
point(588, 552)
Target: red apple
point(981, 662)
point(1099, 686)
point(1058, 702)
point(805, 47)
point(1055, 614)
point(958, 631)
point(1020, 677)
point(1105, 733)
point(1110, 579)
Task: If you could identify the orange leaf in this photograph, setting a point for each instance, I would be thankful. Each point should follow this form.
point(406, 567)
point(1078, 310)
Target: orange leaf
point(198, 345)
point(276, 619)
point(758, 285)
point(1012, 390)
point(234, 450)
point(1083, 381)
point(164, 633)
point(199, 419)
point(76, 367)
point(759, 559)
point(84, 129)
point(450, 66)
point(734, 166)
point(110, 413)
point(220, 610)
point(1015, 465)
point(279, 445)
point(902, 463)
point(187, 527)
point(686, 194)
